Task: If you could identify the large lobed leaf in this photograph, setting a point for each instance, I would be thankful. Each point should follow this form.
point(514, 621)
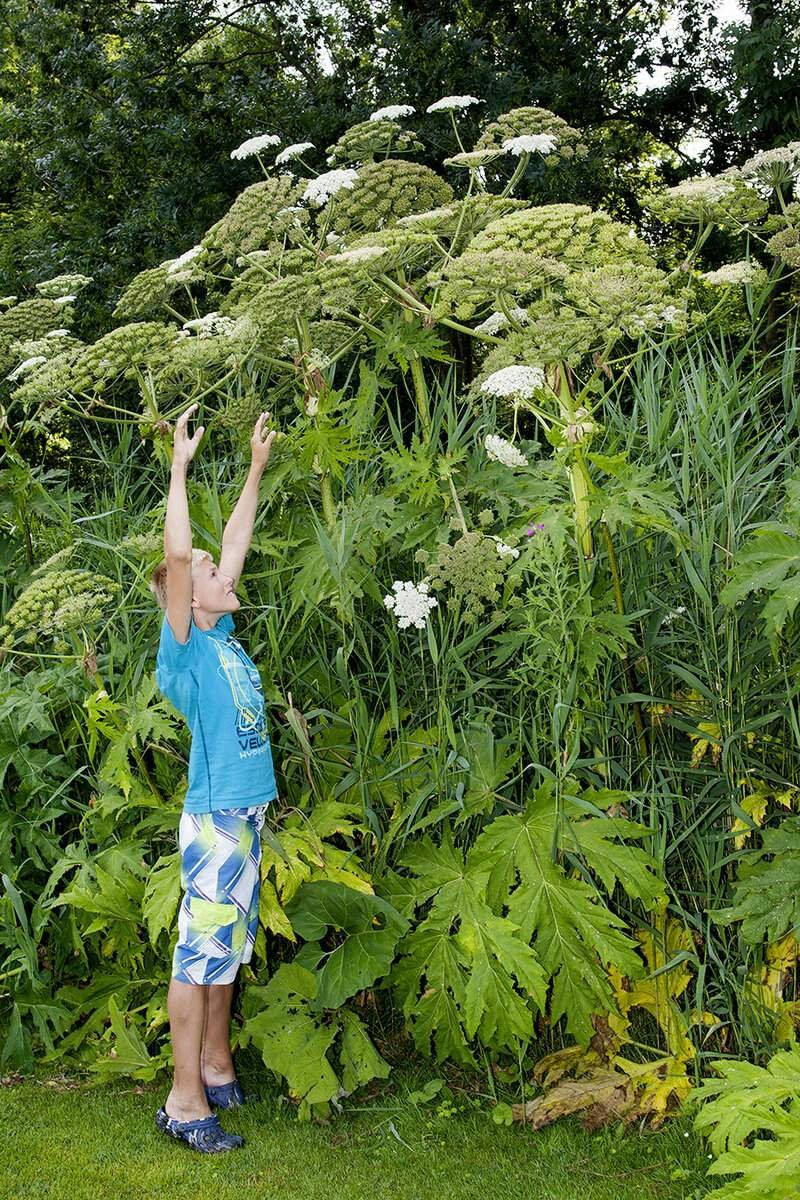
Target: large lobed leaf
point(575, 935)
point(746, 1098)
point(768, 1168)
point(296, 1040)
point(463, 971)
point(371, 927)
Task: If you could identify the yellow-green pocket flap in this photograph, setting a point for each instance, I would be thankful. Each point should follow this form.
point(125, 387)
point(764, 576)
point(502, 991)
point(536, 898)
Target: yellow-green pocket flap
point(207, 916)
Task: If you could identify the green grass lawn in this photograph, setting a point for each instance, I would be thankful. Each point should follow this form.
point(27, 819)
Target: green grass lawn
point(68, 1140)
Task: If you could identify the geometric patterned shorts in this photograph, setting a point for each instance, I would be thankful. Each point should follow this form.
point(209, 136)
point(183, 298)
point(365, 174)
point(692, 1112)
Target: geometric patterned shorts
point(220, 875)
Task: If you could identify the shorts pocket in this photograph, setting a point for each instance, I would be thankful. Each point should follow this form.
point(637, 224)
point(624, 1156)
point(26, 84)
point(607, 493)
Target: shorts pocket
point(215, 928)
point(207, 916)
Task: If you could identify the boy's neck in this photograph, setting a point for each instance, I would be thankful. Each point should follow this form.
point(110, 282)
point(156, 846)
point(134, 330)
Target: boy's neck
point(205, 620)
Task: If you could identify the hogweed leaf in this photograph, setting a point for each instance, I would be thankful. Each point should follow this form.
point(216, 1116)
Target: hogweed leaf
point(371, 927)
point(574, 935)
point(359, 1059)
point(463, 971)
point(745, 1098)
point(769, 1168)
point(292, 1040)
point(162, 893)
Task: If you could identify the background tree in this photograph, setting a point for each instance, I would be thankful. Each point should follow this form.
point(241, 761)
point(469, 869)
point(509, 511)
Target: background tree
point(117, 121)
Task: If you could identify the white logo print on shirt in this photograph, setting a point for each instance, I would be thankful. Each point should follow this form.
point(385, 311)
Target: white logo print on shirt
point(243, 680)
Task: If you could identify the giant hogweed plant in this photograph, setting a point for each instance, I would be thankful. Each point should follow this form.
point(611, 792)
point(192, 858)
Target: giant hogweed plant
point(335, 294)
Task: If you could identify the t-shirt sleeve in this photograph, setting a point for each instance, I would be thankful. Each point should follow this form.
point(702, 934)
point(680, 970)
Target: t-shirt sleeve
point(172, 654)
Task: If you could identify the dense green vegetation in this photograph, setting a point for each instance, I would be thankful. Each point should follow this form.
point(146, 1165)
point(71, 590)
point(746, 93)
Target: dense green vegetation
point(523, 590)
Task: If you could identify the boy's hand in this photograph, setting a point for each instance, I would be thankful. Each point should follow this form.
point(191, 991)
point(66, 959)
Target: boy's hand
point(261, 441)
point(184, 446)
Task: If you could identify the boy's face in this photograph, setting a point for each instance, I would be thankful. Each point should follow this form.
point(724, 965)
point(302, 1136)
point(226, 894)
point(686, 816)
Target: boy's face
point(211, 590)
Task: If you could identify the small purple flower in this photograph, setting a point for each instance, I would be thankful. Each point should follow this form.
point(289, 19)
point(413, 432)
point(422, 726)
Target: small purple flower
point(533, 529)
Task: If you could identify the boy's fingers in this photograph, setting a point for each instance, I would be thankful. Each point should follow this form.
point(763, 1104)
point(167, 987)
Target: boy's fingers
point(184, 417)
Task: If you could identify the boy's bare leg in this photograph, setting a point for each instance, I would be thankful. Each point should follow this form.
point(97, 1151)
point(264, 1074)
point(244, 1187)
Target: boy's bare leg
point(186, 1005)
point(216, 1061)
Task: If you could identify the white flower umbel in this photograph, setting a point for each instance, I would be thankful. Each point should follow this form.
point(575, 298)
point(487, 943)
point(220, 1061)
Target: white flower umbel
point(499, 450)
point(255, 145)
point(707, 190)
point(452, 103)
point(782, 154)
point(772, 169)
point(531, 143)
point(60, 285)
point(292, 152)
point(177, 264)
point(316, 359)
point(498, 320)
point(211, 325)
point(514, 381)
point(360, 254)
point(59, 333)
point(410, 603)
point(26, 366)
point(504, 550)
point(732, 273)
point(392, 112)
point(311, 360)
point(320, 190)
point(64, 299)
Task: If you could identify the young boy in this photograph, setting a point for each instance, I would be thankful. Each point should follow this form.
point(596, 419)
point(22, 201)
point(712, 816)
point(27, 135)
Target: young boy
point(204, 671)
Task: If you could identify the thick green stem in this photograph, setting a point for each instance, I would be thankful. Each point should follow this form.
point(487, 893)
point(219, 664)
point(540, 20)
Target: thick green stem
point(326, 492)
point(457, 504)
point(420, 391)
point(519, 171)
point(417, 373)
point(325, 485)
point(479, 337)
point(455, 131)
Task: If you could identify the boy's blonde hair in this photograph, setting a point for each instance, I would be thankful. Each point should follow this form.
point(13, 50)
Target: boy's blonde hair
point(158, 580)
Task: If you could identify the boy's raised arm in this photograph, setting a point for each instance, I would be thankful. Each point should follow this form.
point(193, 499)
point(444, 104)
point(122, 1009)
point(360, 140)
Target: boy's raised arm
point(239, 529)
point(178, 531)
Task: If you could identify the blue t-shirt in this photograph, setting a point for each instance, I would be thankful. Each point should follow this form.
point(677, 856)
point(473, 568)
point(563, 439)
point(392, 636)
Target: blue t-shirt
point(216, 687)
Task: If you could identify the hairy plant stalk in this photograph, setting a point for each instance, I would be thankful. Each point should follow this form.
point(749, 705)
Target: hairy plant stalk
point(578, 472)
point(326, 494)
